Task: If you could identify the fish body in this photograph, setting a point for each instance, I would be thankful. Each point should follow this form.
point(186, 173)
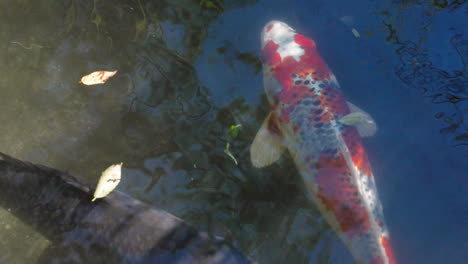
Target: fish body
point(322, 131)
point(115, 229)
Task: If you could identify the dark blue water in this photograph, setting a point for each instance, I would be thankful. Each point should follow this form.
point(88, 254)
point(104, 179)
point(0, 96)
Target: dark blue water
point(187, 73)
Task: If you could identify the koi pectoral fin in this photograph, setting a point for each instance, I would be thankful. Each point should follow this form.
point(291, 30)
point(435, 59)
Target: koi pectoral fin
point(361, 120)
point(267, 146)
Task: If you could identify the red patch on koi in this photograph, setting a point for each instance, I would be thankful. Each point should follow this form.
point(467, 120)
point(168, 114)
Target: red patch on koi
point(304, 41)
point(295, 94)
point(311, 55)
point(358, 154)
point(289, 65)
point(308, 71)
point(340, 196)
point(269, 27)
point(388, 250)
point(334, 99)
point(270, 54)
point(284, 71)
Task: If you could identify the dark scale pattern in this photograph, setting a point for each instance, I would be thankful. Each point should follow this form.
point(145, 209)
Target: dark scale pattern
point(320, 131)
point(335, 100)
point(333, 177)
point(310, 78)
point(339, 195)
point(308, 127)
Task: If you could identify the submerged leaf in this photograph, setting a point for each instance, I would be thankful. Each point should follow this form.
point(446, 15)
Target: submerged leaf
point(234, 130)
point(213, 4)
point(110, 178)
point(355, 33)
point(97, 77)
point(142, 24)
point(226, 150)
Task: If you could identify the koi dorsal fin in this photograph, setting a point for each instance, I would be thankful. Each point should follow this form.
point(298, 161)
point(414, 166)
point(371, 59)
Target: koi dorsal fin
point(361, 120)
point(267, 146)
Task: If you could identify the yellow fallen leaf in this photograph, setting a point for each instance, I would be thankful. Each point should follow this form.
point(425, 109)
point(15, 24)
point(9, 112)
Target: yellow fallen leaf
point(110, 178)
point(97, 77)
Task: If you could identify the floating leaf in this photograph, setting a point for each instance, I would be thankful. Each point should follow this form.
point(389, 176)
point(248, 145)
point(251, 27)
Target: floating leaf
point(226, 150)
point(97, 77)
point(110, 178)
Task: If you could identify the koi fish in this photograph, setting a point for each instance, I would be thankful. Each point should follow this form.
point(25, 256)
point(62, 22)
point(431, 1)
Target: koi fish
point(322, 131)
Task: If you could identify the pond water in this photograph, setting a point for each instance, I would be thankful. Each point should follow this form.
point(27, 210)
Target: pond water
point(189, 69)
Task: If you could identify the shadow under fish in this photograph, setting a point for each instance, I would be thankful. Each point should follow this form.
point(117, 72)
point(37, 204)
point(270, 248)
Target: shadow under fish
point(116, 229)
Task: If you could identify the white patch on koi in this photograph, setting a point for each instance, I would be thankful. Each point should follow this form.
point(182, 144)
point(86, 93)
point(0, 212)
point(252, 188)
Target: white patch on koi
point(367, 189)
point(291, 49)
point(283, 35)
point(368, 193)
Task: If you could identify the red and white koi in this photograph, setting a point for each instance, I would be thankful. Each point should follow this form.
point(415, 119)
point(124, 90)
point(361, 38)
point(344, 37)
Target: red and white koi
point(322, 131)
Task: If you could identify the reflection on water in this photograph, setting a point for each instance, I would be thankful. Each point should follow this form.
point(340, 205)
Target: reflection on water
point(158, 118)
point(418, 67)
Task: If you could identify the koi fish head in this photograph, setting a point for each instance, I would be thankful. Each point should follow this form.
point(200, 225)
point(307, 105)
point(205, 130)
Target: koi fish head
point(279, 42)
point(276, 31)
point(289, 57)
